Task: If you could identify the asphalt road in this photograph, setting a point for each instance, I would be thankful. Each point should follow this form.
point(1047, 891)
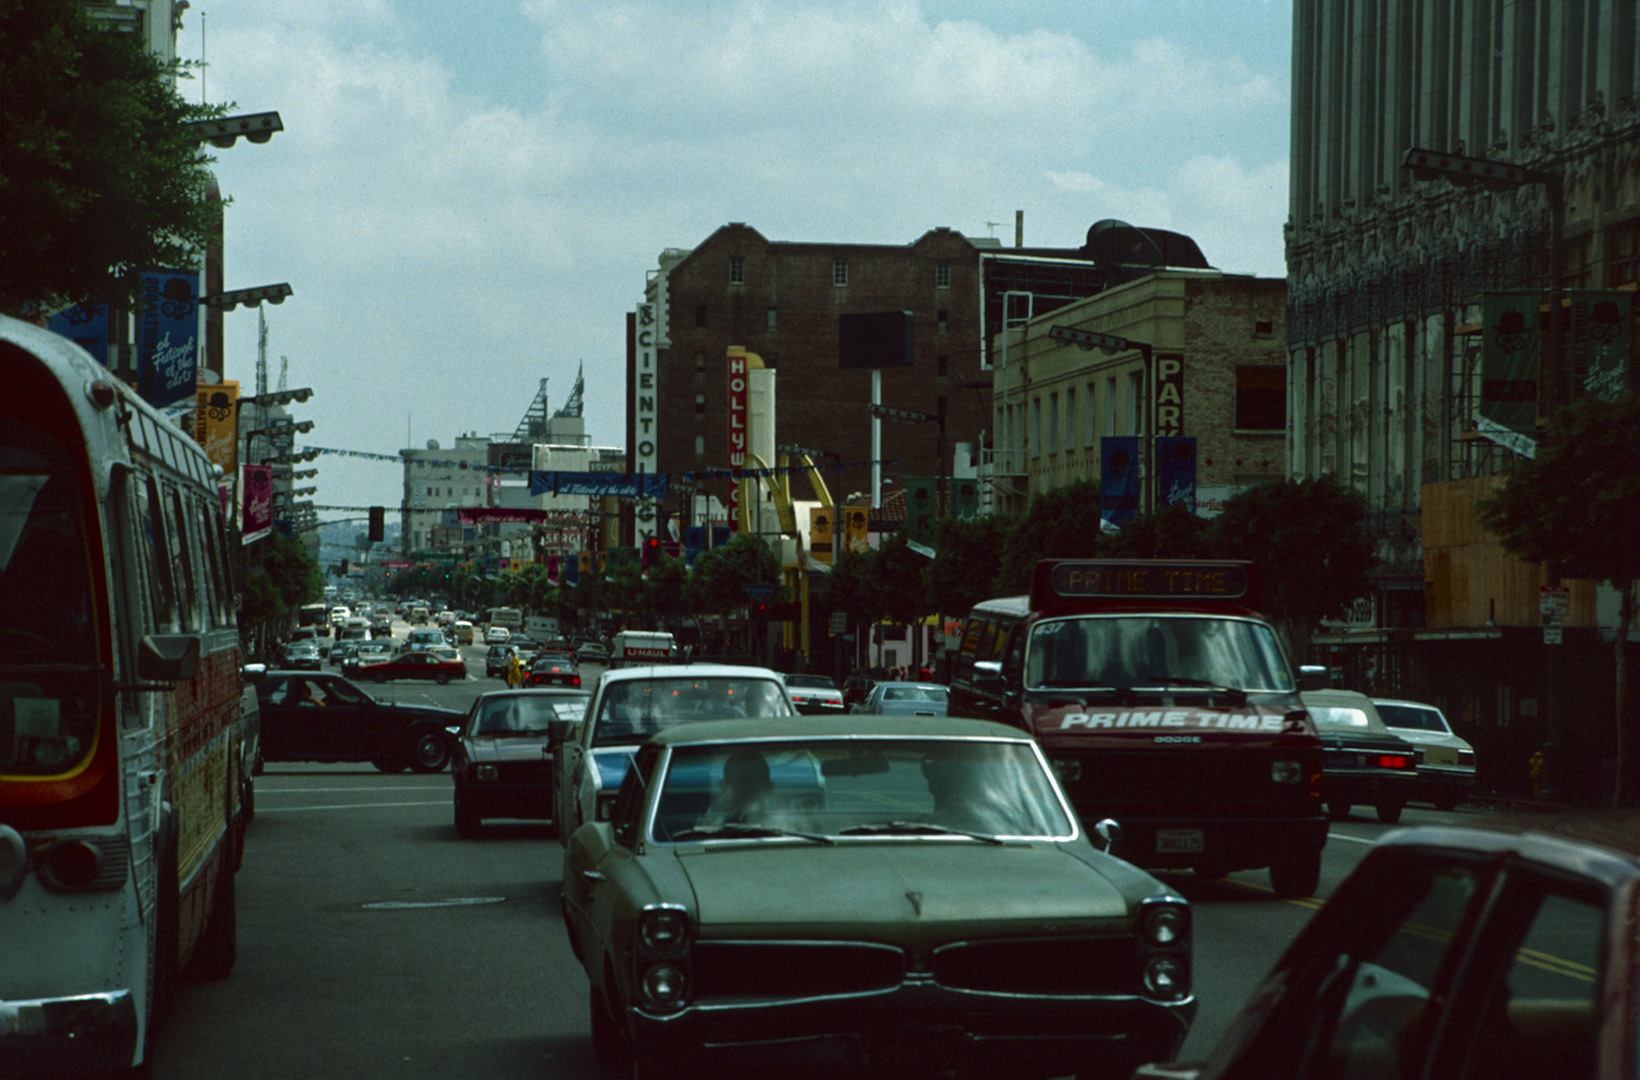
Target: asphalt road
point(375, 943)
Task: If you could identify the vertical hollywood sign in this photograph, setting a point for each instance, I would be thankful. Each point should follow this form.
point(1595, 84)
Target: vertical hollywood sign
point(737, 426)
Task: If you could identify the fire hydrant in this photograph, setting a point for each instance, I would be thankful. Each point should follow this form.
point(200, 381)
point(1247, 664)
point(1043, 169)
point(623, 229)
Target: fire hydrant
point(1534, 770)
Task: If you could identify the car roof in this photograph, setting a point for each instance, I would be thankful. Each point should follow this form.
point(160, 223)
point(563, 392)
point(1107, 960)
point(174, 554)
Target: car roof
point(1407, 704)
point(536, 691)
point(915, 727)
point(688, 671)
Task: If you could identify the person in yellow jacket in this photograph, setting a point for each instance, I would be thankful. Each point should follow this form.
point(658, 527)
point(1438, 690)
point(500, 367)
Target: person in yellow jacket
point(515, 671)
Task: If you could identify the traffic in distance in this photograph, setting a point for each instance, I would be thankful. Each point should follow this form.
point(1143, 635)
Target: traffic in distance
point(993, 878)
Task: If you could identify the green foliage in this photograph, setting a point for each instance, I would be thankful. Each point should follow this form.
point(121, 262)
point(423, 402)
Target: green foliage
point(98, 177)
point(723, 573)
point(897, 576)
point(287, 578)
point(1578, 501)
point(1060, 524)
point(1171, 533)
point(968, 558)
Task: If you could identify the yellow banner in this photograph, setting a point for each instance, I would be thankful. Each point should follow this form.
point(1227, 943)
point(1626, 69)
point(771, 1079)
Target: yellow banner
point(216, 410)
point(854, 528)
point(820, 533)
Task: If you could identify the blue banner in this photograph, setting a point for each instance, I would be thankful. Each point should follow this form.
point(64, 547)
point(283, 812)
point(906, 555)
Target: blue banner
point(86, 327)
point(694, 542)
point(168, 336)
point(1176, 472)
point(619, 485)
point(1119, 478)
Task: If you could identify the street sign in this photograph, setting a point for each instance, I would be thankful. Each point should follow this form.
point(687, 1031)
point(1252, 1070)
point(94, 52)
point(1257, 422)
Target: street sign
point(759, 592)
point(839, 623)
point(889, 413)
point(1553, 604)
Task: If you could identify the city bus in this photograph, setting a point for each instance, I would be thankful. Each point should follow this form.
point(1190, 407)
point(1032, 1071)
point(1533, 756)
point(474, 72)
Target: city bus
point(510, 617)
point(124, 737)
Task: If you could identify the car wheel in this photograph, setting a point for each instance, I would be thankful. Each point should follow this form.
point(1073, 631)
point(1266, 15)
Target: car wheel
point(379, 678)
point(389, 765)
point(1390, 812)
point(1336, 809)
point(468, 823)
point(431, 752)
point(1446, 804)
point(1296, 874)
point(441, 678)
point(608, 1042)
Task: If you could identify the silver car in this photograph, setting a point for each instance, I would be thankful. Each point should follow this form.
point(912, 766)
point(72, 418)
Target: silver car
point(905, 699)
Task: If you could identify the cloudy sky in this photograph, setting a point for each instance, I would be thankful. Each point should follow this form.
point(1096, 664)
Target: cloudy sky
point(466, 196)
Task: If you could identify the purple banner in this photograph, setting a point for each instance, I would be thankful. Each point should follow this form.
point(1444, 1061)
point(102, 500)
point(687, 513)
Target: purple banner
point(1119, 478)
point(257, 515)
point(168, 336)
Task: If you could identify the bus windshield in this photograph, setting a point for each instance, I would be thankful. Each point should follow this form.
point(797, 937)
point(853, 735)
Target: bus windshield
point(48, 707)
point(1128, 651)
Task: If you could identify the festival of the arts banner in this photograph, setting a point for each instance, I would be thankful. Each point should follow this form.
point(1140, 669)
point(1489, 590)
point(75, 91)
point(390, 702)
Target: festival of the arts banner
point(1119, 478)
point(1509, 370)
point(1597, 341)
point(619, 485)
point(168, 336)
point(257, 489)
point(1176, 471)
point(215, 423)
point(86, 326)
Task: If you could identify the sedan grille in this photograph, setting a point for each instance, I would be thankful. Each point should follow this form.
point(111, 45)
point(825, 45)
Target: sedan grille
point(1099, 965)
point(729, 969)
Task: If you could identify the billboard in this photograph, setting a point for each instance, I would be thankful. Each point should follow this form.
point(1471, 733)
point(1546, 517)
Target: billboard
point(878, 339)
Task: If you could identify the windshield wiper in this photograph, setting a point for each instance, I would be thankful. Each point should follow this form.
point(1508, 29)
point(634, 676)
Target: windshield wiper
point(736, 830)
point(915, 828)
point(1205, 684)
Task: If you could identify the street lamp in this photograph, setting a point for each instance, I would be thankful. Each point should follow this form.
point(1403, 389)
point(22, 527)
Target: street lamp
point(252, 297)
point(1110, 345)
point(225, 130)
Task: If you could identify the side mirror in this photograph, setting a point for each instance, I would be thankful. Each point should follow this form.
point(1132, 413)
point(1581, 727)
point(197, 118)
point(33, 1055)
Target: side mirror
point(1110, 832)
point(1313, 677)
point(168, 657)
point(988, 675)
point(560, 730)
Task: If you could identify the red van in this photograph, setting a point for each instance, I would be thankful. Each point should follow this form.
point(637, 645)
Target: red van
point(1166, 702)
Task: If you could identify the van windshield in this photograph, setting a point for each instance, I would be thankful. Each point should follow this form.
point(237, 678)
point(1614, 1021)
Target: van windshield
point(1137, 651)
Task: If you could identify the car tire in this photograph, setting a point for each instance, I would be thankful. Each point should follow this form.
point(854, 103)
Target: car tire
point(1446, 804)
point(608, 1041)
point(1296, 874)
point(389, 765)
point(378, 679)
point(441, 678)
point(1390, 812)
point(430, 753)
point(1337, 810)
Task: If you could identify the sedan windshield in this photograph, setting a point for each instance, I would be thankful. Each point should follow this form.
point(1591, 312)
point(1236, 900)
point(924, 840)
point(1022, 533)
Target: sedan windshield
point(1149, 651)
point(525, 714)
point(917, 788)
point(632, 710)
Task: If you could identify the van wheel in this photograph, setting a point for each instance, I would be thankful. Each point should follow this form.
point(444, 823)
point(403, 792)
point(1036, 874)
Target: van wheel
point(1390, 812)
point(1296, 874)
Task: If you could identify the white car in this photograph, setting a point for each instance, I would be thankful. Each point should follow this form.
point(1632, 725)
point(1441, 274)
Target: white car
point(1446, 768)
point(497, 635)
point(629, 705)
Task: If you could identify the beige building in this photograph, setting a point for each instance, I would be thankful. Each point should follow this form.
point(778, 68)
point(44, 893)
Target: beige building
point(1216, 371)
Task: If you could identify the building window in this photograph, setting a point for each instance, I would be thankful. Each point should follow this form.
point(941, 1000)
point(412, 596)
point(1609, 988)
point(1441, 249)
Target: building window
point(1053, 424)
point(1263, 328)
point(700, 316)
point(942, 276)
point(1134, 396)
point(1070, 416)
point(1036, 427)
point(944, 322)
point(737, 270)
point(700, 404)
point(700, 446)
point(1623, 255)
point(700, 363)
point(839, 271)
point(1110, 406)
point(1090, 435)
point(774, 319)
point(941, 364)
point(1261, 399)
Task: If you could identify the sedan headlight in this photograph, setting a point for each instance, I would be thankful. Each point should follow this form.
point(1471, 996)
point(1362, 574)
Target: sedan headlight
point(487, 772)
point(663, 930)
point(1166, 924)
point(663, 987)
point(1167, 976)
point(1287, 772)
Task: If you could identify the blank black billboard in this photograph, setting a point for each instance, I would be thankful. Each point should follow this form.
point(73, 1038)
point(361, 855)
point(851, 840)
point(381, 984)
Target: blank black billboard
point(876, 339)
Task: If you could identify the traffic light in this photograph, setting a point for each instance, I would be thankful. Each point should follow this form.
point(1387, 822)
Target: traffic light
point(651, 552)
point(341, 570)
point(378, 524)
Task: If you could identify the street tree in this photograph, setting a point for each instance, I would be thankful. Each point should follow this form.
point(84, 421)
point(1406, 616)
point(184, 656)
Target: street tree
point(968, 557)
point(99, 177)
point(1309, 541)
point(1577, 503)
point(724, 572)
point(1059, 524)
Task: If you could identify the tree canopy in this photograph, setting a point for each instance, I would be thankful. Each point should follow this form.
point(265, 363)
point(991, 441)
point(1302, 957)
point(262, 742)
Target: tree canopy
point(99, 177)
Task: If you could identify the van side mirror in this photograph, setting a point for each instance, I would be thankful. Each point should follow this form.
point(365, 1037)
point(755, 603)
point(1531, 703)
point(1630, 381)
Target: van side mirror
point(988, 675)
point(1314, 677)
point(168, 657)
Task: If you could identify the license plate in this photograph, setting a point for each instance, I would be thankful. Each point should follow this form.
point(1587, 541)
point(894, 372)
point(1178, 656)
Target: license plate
point(1179, 841)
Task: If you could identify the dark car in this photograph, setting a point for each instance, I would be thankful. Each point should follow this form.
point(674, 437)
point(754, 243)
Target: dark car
point(592, 652)
point(342, 652)
point(424, 664)
point(814, 695)
point(1505, 948)
point(550, 670)
point(915, 889)
point(495, 661)
point(1362, 762)
point(503, 761)
point(309, 716)
point(859, 684)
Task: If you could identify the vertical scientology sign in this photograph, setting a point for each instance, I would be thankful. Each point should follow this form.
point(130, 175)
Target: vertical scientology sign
point(645, 457)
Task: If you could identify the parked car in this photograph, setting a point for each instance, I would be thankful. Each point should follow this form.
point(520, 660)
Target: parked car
point(814, 695)
point(503, 759)
point(435, 664)
point(1446, 766)
point(301, 656)
point(905, 699)
point(324, 717)
point(553, 671)
point(1499, 949)
point(497, 635)
point(630, 704)
point(1361, 761)
point(857, 882)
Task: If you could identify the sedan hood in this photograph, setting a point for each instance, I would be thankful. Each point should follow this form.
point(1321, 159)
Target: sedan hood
point(894, 884)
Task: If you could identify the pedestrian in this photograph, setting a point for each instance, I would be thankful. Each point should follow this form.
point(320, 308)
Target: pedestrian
point(515, 671)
